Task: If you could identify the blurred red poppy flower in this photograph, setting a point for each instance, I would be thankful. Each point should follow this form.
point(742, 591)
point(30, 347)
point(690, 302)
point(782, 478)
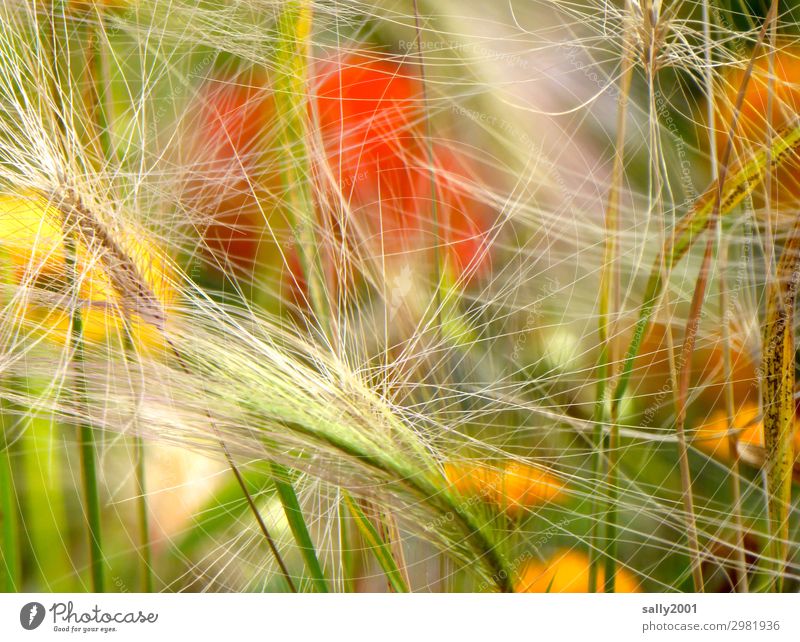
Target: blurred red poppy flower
point(374, 164)
point(369, 113)
point(231, 166)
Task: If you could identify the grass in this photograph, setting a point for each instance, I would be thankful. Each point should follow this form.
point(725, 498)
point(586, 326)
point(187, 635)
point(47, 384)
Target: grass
point(778, 391)
point(146, 567)
point(294, 516)
point(12, 570)
point(87, 434)
point(11, 562)
point(379, 547)
point(519, 274)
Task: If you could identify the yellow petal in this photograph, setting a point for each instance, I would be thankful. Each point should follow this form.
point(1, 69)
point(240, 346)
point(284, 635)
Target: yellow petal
point(567, 571)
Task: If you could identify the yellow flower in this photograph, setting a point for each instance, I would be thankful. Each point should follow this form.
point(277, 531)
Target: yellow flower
point(568, 572)
point(713, 437)
point(522, 485)
point(471, 479)
point(33, 251)
point(771, 101)
point(512, 487)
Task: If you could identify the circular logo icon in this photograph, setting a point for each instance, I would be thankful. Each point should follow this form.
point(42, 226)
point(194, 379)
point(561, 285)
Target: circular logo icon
point(31, 615)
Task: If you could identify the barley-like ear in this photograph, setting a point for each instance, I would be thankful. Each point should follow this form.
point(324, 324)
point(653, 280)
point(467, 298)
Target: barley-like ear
point(777, 386)
point(272, 393)
point(432, 396)
point(136, 295)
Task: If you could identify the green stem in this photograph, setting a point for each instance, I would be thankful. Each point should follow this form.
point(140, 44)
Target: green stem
point(291, 63)
point(380, 549)
point(88, 451)
point(347, 549)
point(611, 516)
point(294, 28)
point(100, 85)
point(145, 554)
point(92, 507)
point(8, 514)
point(294, 515)
point(609, 294)
point(44, 517)
point(8, 494)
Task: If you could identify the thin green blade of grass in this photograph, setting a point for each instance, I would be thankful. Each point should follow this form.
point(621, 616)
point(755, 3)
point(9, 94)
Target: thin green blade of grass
point(9, 553)
point(347, 555)
point(609, 295)
point(86, 436)
point(378, 547)
point(294, 30)
point(294, 26)
point(44, 519)
point(143, 518)
point(297, 524)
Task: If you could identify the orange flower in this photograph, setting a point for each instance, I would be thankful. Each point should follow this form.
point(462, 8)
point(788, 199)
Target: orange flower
point(522, 485)
point(469, 479)
point(568, 572)
point(651, 375)
point(32, 246)
point(760, 112)
point(369, 111)
point(713, 437)
point(513, 488)
point(231, 173)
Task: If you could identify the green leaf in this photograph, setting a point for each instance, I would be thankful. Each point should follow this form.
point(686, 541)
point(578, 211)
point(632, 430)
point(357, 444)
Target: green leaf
point(294, 515)
point(379, 548)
